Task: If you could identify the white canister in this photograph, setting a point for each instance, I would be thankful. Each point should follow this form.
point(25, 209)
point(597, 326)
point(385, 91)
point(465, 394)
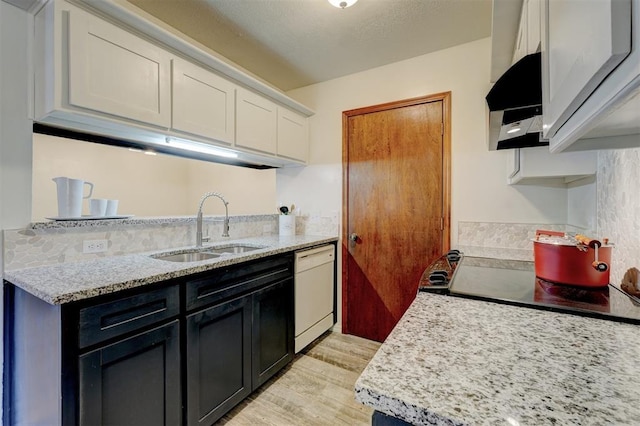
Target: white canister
point(287, 225)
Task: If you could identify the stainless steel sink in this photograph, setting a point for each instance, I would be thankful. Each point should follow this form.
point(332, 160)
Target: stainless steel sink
point(233, 249)
point(187, 257)
point(206, 253)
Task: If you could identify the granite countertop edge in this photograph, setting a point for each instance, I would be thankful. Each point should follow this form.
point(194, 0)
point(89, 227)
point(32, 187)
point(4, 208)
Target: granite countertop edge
point(456, 361)
point(400, 409)
point(127, 221)
point(69, 282)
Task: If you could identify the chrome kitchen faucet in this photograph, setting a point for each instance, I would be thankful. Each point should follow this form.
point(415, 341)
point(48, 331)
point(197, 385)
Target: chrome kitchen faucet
point(225, 228)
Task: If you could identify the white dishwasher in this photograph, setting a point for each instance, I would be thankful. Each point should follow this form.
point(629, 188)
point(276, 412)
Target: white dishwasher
point(314, 294)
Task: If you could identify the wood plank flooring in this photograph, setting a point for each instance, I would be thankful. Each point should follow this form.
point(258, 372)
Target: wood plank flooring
point(315, 389)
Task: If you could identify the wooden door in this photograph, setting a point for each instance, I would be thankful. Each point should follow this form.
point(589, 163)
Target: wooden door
point(396, 206)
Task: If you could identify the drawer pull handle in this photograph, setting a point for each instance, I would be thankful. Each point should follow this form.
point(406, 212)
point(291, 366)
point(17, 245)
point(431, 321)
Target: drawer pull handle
point(133, 314)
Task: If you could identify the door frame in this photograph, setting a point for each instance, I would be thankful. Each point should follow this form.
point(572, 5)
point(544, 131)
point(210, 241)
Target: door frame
point(445, 98)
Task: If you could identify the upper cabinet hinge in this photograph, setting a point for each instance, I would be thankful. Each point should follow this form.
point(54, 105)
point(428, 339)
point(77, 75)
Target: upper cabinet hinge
point(442, 129)
point(442, 223)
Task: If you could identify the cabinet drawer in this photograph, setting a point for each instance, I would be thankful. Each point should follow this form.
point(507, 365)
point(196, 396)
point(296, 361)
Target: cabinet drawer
point(101, 322)
point(233, 281)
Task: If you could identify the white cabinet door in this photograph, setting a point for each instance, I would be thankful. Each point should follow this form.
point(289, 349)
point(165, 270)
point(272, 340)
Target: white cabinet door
point(256, 119)
point(582, 43)
point(202, 102)
point(114, 72)
point(533, 25)
point(537, 166)
point(520, 47)
point(293, 135)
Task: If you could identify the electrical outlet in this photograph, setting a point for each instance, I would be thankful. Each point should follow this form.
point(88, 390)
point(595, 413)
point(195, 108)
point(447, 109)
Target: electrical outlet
point(94, 246)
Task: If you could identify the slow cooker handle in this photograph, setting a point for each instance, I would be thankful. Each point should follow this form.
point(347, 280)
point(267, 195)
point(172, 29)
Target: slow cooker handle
point(595, 245)
point(549, 233)
point(599, 266)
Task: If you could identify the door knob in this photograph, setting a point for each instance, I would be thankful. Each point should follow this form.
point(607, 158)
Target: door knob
point(353, 237)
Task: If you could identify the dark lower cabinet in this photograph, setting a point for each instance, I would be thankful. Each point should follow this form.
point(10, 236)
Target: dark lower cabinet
point(218, 360)
point(184, 351)
point(234, 347)
point(135, 381)
point(273, 330)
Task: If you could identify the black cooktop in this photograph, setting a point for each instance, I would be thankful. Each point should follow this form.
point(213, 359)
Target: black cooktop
point(514, 282)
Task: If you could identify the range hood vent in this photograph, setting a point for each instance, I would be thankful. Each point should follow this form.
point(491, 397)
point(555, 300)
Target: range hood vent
point(515, 106)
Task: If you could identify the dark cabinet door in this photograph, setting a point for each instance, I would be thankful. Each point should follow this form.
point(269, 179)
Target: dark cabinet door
point(218, 360)
point(135, 381)
point(272, 330)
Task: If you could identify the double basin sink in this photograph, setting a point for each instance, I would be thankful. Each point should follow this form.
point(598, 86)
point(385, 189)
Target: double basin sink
point(206, 253)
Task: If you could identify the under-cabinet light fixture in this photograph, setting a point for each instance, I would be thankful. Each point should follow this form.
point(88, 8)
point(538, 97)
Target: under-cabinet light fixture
point(199, 147)
point(342, 4)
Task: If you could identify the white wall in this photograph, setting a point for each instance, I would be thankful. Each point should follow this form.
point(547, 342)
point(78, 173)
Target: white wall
point(479, 178)
point(581, 204)
point(159, 185)
point(479, 190)
point(15, 128)
point(618, 200)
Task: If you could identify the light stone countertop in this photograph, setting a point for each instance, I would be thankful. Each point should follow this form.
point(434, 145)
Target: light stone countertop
point(455, 361)
point(68, 282)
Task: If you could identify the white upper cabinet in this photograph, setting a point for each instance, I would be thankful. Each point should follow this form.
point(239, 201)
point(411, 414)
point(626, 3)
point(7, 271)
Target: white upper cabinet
point(114, 72)
point(293, 135)
point(101, 76)
point(256, 121)
point(533, 25)
point(591, 69)
point(203, 102)
point(528, 37)
point(537, 166)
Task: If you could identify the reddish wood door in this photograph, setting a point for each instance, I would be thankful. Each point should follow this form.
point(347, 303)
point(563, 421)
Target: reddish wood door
point(396, 207)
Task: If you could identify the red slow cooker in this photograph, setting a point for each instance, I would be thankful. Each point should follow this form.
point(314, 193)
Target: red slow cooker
point(578, 260)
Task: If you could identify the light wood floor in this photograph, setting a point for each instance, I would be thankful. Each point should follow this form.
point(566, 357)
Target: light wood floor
point(315, 389)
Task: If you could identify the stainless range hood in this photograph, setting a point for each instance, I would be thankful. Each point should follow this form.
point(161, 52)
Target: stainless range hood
point(515, 106)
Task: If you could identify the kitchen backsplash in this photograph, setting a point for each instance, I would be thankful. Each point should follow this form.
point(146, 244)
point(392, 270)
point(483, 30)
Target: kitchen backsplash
point(504, 240)
point(618, 201)
point(47, 243)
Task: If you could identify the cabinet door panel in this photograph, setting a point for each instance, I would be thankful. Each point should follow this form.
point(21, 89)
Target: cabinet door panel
point(202, 102)
point(256, 119)
point(293, 135)
point(218, 360)
point(133, 382)
point(272, 330)
point(583, 43)
point(114, 72)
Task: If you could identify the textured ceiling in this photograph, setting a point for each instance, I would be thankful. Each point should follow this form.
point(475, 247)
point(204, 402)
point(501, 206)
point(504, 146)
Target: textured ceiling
point(294, 43)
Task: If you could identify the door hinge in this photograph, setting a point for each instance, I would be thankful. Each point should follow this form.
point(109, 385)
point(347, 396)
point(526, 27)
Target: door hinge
point(442, 223)
point(442, 129)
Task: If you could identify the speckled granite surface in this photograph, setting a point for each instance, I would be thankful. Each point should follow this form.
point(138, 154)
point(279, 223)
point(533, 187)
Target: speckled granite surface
point(63, 283)
point(454, 361)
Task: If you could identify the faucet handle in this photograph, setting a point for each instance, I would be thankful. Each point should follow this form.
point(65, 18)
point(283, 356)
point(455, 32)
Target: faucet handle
point(206, 239)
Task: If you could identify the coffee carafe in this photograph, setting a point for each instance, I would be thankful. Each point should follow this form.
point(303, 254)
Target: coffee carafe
point(70, 196)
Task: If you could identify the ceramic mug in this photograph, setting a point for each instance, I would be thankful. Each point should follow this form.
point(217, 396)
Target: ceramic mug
point(112, 208)
point(98, 207)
